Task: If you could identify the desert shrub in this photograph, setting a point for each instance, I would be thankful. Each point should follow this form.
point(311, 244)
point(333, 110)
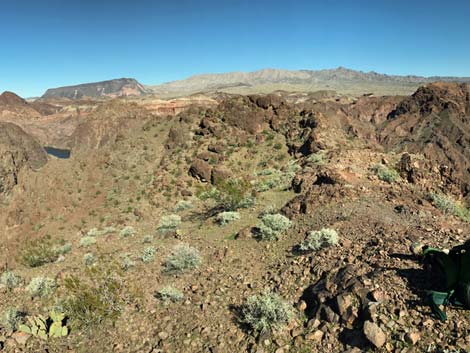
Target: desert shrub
point(182, 258)
point(449, 206)
point(38, 252)
point(147, 239)
point(89, 259)
point(169, 294)
point(126, 262)
point(183, 205)
point(41, 286)
point(148, 254)
point(93, 232)
point(98, 297)
point(10, 280)
point(265, 312)
point(207, 194)
point(233, 195)
point(87, 241)
point(63, 249)
point(11, 319)
point(224, 218)
point(319, 239)
point(318, 158)
point(169, 223)
point(272, 225)
point(127, 231)
point(386, 174)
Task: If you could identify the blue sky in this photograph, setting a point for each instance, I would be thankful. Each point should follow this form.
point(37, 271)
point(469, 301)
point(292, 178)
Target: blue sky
point(52, 43)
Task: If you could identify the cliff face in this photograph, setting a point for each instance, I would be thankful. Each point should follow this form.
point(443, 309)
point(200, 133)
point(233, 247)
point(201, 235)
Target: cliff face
point(112, 88)
point(18, 150)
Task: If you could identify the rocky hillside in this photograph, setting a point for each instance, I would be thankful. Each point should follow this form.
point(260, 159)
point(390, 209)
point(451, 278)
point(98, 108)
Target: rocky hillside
point(18, 151)
point(244, 223)
point(122, 87)
point(342, 80)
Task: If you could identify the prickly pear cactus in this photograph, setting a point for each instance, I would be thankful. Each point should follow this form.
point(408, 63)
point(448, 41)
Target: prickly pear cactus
point(38, 326)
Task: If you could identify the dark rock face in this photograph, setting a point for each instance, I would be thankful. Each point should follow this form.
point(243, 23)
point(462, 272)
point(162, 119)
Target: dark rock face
point(200, 170)
point(18, 150)
point(111, 88)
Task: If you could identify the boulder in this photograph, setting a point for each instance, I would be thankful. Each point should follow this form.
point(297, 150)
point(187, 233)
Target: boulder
point(201, 170)
point(374, 334)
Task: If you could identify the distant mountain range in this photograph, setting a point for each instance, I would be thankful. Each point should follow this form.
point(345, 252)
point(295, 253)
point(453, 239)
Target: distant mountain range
point(342, 80)
point(112, 88)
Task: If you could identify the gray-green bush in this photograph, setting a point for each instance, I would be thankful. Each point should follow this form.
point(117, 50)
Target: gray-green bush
point(319, 239)
point(10, 280)
point(41, 286)
point(182, 258)
point(386, 174)
point(224, 218)
point(148, 254)
point(169, 294)
point(169, 223)
point(265, 312)
point(11, 318)
point(272, 225)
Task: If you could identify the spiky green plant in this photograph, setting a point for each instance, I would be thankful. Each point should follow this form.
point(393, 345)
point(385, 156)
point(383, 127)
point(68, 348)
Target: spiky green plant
point(46, 327)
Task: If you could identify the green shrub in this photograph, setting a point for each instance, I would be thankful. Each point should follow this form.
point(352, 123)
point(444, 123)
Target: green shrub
point(319, 239)
point(148, 254)
point(169, 294)
point(41, 286)
point(63, 249)
point(386, 174)
point(272, 225)
point(126, 262)
point(233, 195)
point(97, 298)
point(265, 312)
point(224, 218)
point(89, 259)
point(87, 241)
point(11, 319)
point(38, 252)
point(169, 223)
point(147, 239)
point(318, 158)
point(10, 280)
point(182, 258)
point(183, 205)
point(449, 206)
point(127, 231)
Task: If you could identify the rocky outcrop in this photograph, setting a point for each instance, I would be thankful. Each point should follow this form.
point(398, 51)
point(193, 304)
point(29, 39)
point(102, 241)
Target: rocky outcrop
point(18, 150)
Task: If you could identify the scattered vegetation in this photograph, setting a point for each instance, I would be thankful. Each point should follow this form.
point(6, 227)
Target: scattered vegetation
point(385, 174)
point(449, 206)
point(89, 259)
point(97, 298)
point(87, 241)
point(126, 262)
point(319, 239)
point(169, 223)
point(183, 205)
point(41, 287)
point(63, 249)
point(38, 252)
point(182, 258)
point(265, 312)
point(224, 218)
point(148, 254)
point(319, 158)
point(169, 294)
point(272, 225)
point(127, 231)
point(10, 280)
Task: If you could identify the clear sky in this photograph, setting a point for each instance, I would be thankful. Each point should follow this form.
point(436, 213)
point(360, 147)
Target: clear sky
point(50, 43)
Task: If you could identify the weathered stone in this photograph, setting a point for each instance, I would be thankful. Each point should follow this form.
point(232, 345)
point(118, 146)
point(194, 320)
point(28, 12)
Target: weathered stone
point(200, 170)
point(374, 334)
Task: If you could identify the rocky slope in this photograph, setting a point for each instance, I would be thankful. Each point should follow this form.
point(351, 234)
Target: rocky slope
point(18, 151)
point(122, 87)
point(323, 161)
